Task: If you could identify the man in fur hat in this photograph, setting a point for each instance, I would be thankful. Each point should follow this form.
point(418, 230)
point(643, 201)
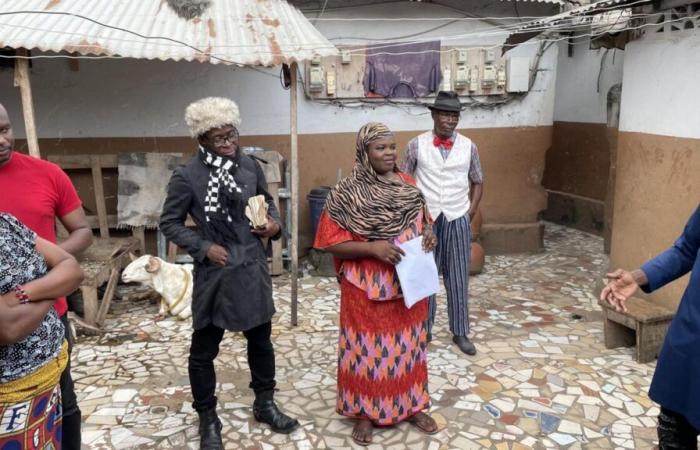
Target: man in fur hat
point(232, 287)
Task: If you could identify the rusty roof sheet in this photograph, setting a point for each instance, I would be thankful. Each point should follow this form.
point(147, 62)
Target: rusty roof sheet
point(244, 32)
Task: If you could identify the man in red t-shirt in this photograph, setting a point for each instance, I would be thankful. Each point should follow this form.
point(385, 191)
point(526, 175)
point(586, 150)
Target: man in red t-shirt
point(37, 192)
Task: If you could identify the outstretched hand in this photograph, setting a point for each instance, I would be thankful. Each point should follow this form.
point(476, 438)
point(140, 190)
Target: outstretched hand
point(621, 286)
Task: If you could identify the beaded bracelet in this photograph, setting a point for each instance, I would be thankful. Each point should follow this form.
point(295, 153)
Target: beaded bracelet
point(21, 295)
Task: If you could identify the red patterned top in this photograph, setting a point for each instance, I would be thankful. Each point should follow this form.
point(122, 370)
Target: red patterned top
point(378, 279)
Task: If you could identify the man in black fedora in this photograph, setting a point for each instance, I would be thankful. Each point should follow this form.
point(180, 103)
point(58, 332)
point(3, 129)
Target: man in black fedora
point(448, 171)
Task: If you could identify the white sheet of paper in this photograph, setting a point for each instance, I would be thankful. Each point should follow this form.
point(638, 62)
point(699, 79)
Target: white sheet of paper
point(417, 272)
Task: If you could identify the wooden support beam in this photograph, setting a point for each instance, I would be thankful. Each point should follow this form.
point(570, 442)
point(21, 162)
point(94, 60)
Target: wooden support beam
point(107, 297)
point(23, 82)
point(99, 195)
point(294, 247)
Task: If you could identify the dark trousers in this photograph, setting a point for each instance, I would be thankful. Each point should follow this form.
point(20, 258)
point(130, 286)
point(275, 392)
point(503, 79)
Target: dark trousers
point(675, 432)
point(69, 402)
point(203, 351)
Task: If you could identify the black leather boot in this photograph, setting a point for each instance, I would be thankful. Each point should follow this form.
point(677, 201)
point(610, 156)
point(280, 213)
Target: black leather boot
point(210, 430)
point(265, 411)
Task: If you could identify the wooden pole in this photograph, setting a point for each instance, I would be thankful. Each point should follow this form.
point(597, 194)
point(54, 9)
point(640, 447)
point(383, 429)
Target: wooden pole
point(294, 248)
point(23, 82)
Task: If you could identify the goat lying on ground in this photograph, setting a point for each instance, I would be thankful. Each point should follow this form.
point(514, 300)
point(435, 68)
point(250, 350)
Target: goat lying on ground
point(172, 281)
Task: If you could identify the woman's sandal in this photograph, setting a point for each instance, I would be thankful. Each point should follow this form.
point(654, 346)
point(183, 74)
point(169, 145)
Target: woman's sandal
point(363, 426)
point(419, 421)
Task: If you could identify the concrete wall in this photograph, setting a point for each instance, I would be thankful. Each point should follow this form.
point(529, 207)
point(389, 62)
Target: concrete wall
point(578, 163)
point(126, 105)
point(658, 166)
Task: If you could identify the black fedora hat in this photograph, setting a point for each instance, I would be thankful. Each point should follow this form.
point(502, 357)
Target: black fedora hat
point(446, 101)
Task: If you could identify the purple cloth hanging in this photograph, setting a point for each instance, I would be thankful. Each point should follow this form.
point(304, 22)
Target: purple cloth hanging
point(403, 71)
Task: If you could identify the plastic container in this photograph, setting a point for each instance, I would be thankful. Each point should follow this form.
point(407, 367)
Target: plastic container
point(317, 200)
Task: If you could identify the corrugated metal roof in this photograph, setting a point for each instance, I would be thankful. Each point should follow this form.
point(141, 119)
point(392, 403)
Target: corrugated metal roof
point(556, 2)
point(251, 32)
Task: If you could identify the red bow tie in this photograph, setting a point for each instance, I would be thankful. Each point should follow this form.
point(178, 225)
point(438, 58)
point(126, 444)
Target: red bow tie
point(445, 143)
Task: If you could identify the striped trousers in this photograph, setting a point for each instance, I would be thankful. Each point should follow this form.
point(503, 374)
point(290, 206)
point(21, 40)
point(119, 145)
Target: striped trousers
point(452, 259)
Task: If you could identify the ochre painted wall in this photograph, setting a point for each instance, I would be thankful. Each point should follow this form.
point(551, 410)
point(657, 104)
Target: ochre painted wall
point(578, 160)
point(512, 158)
point(576, 174)
point(657, 188)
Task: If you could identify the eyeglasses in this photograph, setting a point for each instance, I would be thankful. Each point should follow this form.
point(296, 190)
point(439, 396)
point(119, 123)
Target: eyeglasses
point(231, 138)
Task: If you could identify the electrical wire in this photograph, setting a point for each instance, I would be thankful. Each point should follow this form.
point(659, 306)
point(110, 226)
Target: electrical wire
point(311, 46)
point(318, 17)
point(362, 103)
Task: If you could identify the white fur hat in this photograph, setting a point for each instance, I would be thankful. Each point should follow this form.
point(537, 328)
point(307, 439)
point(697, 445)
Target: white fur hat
point(211, 112)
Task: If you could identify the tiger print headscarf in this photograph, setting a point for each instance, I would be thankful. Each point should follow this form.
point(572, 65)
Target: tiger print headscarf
point(368, 205)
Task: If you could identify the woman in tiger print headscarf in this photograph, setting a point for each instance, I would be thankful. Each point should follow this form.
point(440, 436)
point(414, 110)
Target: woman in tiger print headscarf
point(382, 363)
point(373, 204)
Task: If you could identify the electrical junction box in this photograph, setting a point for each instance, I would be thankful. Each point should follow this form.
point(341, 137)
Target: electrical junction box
point(345, 57)
point(330, 83)
point(474, 79)
point(316, 60)
point(315, 79)
point(501, 78)
point(446, 80)
point(489, 56)
point(489, 76)
point(518, 74)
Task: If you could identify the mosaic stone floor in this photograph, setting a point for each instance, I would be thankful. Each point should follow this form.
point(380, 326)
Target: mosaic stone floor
point(542, 377)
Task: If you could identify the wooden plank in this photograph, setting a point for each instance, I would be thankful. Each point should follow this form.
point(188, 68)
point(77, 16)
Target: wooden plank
point(294, 246)
point(643, 310)
point(85, 161)
point(90, 306)
point(99, 195)
point(108, 295)
point(23, 82)
point(140, 234)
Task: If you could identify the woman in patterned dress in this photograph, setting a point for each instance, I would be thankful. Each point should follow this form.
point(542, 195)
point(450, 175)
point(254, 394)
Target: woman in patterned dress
point(382, 364)
point(33, 352)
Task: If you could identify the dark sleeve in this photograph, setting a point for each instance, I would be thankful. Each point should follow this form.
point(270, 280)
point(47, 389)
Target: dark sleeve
point(261, 189)
point(172, 221)
point(677, 260)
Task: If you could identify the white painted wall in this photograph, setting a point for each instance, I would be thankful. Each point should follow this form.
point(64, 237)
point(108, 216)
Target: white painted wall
point(580, 96)
point(660, 91)
point(129, 98)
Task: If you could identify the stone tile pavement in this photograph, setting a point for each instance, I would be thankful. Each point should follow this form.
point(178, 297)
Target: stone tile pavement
point(542, 378)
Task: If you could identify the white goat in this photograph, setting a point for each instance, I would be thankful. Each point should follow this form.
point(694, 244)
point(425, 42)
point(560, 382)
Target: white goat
point(172, 281)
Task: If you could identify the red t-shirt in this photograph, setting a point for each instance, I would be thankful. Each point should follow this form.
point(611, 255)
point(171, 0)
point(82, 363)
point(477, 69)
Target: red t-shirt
point(37, 192)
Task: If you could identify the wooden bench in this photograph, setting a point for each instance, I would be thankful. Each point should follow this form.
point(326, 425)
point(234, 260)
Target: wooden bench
point(103, 261)
point(644, 324)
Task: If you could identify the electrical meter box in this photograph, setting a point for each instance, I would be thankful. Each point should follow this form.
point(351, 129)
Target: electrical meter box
point(489, 76)
point(461, 77)
point(315, 79)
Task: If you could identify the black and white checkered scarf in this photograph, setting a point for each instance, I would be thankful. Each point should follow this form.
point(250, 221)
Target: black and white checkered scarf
point(222, 187)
